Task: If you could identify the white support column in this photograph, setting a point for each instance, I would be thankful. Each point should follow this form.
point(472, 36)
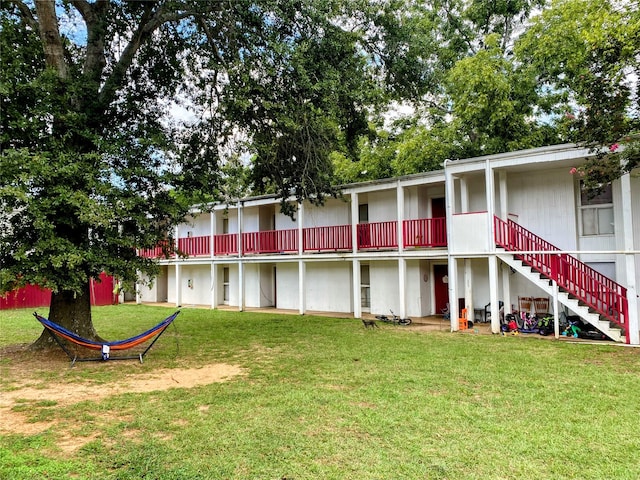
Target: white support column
point(138, 286)
point(241, 285)
point(212, 233)
point(354, 222)
point(240, 228)
point(502, 188)
point(504, 215)
point(468, 288)
point(302, 277)
point(493, 292)
point(556, 310)
point(454, 314)
point(402, 286)
point(357, 293)
point(493, 260)
point(468, 282)
point(464, 195)
point(629, 260)
point(178, 285)
point(400, 215)
point(452, 263)
point(214, 285)
point(506, 288)
point(213, 294)
point(300, 228)
point(402, 263)
point(240, 260)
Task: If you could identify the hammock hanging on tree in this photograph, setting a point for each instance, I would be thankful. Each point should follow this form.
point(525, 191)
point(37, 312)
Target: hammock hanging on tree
point(58, 331)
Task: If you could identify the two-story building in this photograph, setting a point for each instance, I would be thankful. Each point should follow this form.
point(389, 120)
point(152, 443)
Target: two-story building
point(480, 234)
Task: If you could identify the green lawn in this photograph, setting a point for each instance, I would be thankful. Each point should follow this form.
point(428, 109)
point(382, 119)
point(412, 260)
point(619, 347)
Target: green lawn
point(324, 398)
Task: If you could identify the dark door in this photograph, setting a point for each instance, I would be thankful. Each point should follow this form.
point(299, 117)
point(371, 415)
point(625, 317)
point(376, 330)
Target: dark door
point(438, 233)
point(438, 209)
point(441, 287)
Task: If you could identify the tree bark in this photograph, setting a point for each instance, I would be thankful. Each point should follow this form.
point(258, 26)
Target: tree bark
point(50, 35)
point(71, 311)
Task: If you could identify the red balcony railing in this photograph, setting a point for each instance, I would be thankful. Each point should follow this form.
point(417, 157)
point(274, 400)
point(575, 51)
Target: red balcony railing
point(602, 294)
point(225, 244)
point(428, 232)
point(271, 241)
point(327, 238)
point(378, 235)
point(195, 246)
point(425, 232)
point(155, 252)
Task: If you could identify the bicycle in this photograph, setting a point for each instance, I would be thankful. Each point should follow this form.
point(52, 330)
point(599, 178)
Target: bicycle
point(394, 319)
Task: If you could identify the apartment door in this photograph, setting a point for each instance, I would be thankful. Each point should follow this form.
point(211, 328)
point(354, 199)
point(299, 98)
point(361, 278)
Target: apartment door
point(440, 287)
point(438, 208)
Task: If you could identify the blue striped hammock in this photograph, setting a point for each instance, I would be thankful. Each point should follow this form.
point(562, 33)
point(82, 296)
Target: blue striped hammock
point(59, 332)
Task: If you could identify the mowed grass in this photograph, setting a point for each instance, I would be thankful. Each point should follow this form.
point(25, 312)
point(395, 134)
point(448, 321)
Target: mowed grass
point(324, 398)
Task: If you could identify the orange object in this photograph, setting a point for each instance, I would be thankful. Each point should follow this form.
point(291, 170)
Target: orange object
point(463, 321)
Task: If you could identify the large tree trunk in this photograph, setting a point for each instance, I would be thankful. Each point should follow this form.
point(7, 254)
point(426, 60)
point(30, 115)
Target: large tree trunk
point(73, 312)
point(50, 35)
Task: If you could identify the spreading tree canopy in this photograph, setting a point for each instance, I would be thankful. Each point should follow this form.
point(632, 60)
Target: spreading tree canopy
point(94, 166)
point(512, 74)
point(585, 57)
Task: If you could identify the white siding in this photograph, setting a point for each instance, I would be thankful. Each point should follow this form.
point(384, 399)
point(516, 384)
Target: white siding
point(328, 287)
point(287, 285)
point(544, 202)
point(382, 206)
point(200, 277)
point(385, 290)
point(335, 212)
point(198, 225)
point(252, 285)
point(251, 219)
point(418, 301)
point(157, 290)
point(477, 193)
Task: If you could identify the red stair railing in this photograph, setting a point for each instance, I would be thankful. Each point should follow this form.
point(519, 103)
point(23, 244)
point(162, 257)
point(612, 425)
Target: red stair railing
point(603, 295)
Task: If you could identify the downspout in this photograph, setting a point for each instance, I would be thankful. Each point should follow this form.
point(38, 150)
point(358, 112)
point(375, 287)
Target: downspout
point(633, 306)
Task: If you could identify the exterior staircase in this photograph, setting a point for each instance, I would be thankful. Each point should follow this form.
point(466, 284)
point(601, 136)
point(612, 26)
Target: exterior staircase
point(611, 330)
point(596, 299)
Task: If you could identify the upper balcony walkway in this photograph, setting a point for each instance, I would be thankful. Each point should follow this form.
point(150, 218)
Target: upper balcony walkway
point(421, 233)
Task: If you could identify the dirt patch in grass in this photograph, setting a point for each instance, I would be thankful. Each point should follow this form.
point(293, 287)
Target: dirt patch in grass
point(24, 391)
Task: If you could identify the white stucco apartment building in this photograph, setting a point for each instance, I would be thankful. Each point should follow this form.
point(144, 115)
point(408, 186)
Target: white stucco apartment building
point(481, 233)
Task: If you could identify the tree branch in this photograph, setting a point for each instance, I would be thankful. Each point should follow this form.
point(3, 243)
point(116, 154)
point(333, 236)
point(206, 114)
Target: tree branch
point(50, 35)
point(83, 7)
point(93, 15)
point(149, 22)
point(25, 13)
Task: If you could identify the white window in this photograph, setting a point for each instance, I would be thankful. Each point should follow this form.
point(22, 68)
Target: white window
point(365, 289)
point(596, 212)
point(363, 213)
point(225, 285)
